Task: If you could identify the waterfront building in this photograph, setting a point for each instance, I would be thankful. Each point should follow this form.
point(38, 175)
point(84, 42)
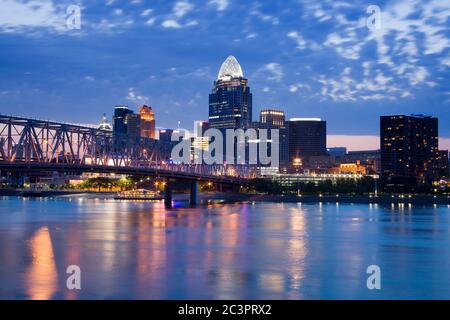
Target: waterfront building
point(307, 138)
point(287, 180)
point(320, 164)
point(350, 168)
point(230, 102)
point(369, 158)
point(409, 148)
point(147, 125)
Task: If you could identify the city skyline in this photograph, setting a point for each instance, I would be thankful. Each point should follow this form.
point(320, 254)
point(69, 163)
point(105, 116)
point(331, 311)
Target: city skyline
point(136, 53)
point(231, 69)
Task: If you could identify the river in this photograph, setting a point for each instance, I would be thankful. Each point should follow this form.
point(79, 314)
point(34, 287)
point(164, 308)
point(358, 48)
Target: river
point(140, 250)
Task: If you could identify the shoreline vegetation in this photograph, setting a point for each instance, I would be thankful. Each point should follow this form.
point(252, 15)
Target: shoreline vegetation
point(363, 191)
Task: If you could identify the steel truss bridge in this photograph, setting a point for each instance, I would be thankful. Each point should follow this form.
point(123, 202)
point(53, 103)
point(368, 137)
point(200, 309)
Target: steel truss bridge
point(31, 145)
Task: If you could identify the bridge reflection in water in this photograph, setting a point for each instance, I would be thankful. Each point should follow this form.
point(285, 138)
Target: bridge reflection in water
point(31, 145)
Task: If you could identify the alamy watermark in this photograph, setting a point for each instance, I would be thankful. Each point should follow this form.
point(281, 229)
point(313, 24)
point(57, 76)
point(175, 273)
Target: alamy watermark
point(374, 280)
point(73, 21)
point(73, 281)
point(230, 146)
point(373, 21)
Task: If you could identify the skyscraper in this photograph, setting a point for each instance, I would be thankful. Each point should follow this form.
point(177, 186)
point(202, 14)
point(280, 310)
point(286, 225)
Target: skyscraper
point(147, 122)
point(166, 134)
point(230, 103)
point(307, 138)
point(272, 119)
point(409, 147)
point(443, 164)
point(119, 120)
point(133, 123)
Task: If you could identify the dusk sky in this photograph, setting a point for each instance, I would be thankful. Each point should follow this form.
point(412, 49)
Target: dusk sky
point(309, 58)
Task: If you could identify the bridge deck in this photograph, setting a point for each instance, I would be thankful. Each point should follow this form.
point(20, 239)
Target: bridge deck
point(138, 171)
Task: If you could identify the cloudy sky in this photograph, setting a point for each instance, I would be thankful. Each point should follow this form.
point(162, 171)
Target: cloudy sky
point(309, 58)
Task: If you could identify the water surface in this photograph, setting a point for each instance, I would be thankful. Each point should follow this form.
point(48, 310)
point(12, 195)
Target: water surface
point(141, 250)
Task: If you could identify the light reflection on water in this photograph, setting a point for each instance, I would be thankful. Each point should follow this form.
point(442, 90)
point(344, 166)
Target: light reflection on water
point(41, 277)
point(238, 251)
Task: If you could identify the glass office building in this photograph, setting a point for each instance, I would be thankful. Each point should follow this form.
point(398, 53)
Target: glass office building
point(307, 137)
point(230, 103)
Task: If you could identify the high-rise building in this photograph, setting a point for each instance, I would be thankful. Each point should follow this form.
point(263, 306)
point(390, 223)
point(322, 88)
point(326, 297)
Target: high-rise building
point(409, 147)
point(443, 164)
point(200, 127)
point(272, 119)
point(230, 103)
point(133, 123)
point(119, 120)
point(307, 138)
point(165, 134)
point(147, 122)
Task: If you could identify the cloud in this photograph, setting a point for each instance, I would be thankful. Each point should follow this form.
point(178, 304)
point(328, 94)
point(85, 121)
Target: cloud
point(181, 8)
point(137, 99)
point(146, 12)
point(221, 5)
point(255, 11)
point(117, 12)
point(170, 23)
point(302, 43)
point(272, 71)
point(293, 88)
point(417, 76)
point(179, 11)
point(345, 87)
point(411, 32)
point(16, 16)
point(151, 21)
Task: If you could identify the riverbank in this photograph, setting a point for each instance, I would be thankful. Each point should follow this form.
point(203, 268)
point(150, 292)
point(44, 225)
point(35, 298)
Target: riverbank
point(360, 199)
point(216, 197)
point(357, 199)
point(49, 193)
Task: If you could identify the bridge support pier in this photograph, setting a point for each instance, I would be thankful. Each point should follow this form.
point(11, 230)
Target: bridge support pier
point(168, 193)
point(194, 193)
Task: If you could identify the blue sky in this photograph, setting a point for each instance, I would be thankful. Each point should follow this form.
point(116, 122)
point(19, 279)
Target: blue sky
point(309, 58)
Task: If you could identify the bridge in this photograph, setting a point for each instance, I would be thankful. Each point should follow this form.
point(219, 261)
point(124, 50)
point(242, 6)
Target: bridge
point(33, 145)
